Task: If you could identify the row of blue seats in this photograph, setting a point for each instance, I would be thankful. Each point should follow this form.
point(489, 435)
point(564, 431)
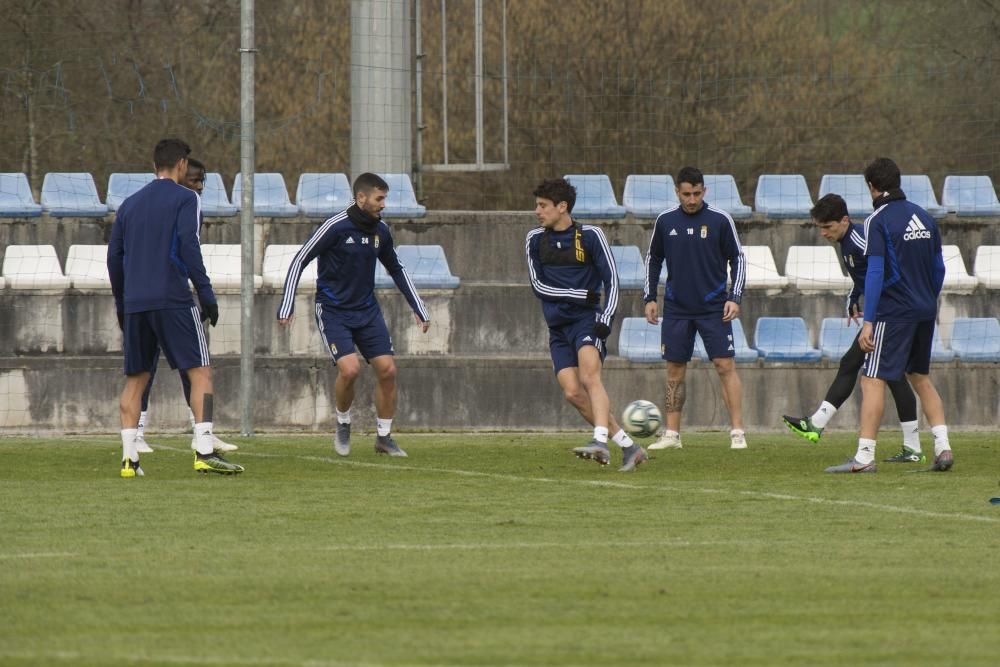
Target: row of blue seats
point(786, 339)
point(777, 195)
point(318, 195)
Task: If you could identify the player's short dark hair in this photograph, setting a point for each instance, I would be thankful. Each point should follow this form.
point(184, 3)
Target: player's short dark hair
point(196, 164)
point(830, 208)
point(368, 181)
point(690, 175)
point(883, 174)
point(557, 190)
point(169, 152)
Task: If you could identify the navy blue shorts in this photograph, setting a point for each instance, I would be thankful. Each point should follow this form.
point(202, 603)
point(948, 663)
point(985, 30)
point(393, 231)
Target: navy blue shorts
point(900, 347)
point(677, 338)
point(342, 330)
point(567, 339)
point(177, 331)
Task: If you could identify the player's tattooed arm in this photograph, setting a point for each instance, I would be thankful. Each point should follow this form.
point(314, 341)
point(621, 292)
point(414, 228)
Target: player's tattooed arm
point(676, 393)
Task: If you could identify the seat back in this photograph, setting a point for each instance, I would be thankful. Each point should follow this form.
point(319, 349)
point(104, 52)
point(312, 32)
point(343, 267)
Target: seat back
point(956, 277)
point(762, 272)
point(71, 194)
point(223, 264)
point(426, 265)
point(631, 266)
point(595, 197)
point(16, 200)
point(784, 339)
point(648, 195)
point(970, 195)
point(33, 267)
point(976, 338)
point(852, 188)
point(919, 190)
point(277, 259)
point(270, 196)
point(783, 196)
point(123, 186)
point(214, 200)
point(836, 334)
point(639, 340)
point(722, 192)
point(815, 268)
point(87, 266)
point(402, 199)
point(323, 195)
point(987, 265)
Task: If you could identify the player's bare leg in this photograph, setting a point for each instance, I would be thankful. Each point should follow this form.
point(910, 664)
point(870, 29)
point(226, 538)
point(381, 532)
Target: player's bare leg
point(933, 409)
point(348, 370)
point(732, 396)
point(673, 405)
point(872, 406)
point(385, 404)
point(129, 406)
point(203, 406)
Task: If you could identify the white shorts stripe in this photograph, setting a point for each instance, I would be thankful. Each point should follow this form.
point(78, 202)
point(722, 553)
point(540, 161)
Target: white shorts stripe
point(322, 333)
point(202, 341)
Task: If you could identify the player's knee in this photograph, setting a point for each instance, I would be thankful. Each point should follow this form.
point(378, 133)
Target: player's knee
point(348, 371)
point(386, 373)
point(574, 395)
point(724, 366)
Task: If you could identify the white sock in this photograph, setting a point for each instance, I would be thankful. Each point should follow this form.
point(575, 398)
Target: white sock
point(601, 434)
point(128, 444)
point(203, 438)
point(191, 417)
point(667, 433)
point(622, 440)
point(383, 426)
point(141, 430)
point(911, 435)
point(866, 451)
point(940, 439)
point(823, 416)
point(344, 417)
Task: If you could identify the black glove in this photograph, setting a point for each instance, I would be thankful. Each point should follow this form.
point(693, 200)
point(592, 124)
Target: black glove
point(210, 312)
point(121, 319)
point(854, 308)
point(601, 330)
point(593, 298)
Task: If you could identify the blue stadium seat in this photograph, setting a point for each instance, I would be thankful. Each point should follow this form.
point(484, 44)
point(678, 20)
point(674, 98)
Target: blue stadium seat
point(784, 339)
point(426, 265)
point(721, 192)
point(938, 351)
point(852, 188)
point(270, 196)
point(595, 198)
point(16, 200)
point(402, 200)
point(970, 196)
point(976, 338)
point(783, 196)
point(123, 186)
point(639, 340)
point(648, 195)
point(919, 190)
point(71, 195)
point(323, 195)
point(631, 266)
point(836, 334)
point(214, 200)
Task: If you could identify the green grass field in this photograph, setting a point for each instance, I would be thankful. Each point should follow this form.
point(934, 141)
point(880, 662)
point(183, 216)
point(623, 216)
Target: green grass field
point(497, 550)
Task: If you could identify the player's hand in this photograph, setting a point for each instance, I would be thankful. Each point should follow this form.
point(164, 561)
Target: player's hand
point(652, 313)
point(854, 313)
point(210, 312)
point(730, 311)
point(121, 319)
point(285, 321)
point(865, 338)
point(424, 326)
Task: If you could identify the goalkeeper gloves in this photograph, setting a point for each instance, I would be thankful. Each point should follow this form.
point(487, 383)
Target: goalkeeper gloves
point(601, 330)
point(210, 312)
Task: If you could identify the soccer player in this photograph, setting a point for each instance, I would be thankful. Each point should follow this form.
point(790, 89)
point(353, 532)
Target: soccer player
point(902, 283)
point(696, 240)
point(193, 180)
point(831, 219)
point(568, 263)
point(347, 314)
point(154, 250)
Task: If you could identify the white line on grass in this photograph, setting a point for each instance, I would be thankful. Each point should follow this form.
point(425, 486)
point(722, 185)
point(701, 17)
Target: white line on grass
point(41, 554)
point(139, 658)
point(483, 546)
point(620, 485)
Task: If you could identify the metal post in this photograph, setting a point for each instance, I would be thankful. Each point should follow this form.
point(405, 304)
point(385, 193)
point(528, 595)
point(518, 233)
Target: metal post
point(247, 167)
point(444, 79)
point(419, 78)
point(479, 82)
point(503, 43)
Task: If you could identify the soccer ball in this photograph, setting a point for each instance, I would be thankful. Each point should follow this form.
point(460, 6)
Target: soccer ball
point(641, 419)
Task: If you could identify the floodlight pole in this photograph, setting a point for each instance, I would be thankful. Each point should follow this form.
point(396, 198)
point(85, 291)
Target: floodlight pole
point(247, 168)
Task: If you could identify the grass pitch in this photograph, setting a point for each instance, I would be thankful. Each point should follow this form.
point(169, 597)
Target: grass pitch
point(497, 550)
